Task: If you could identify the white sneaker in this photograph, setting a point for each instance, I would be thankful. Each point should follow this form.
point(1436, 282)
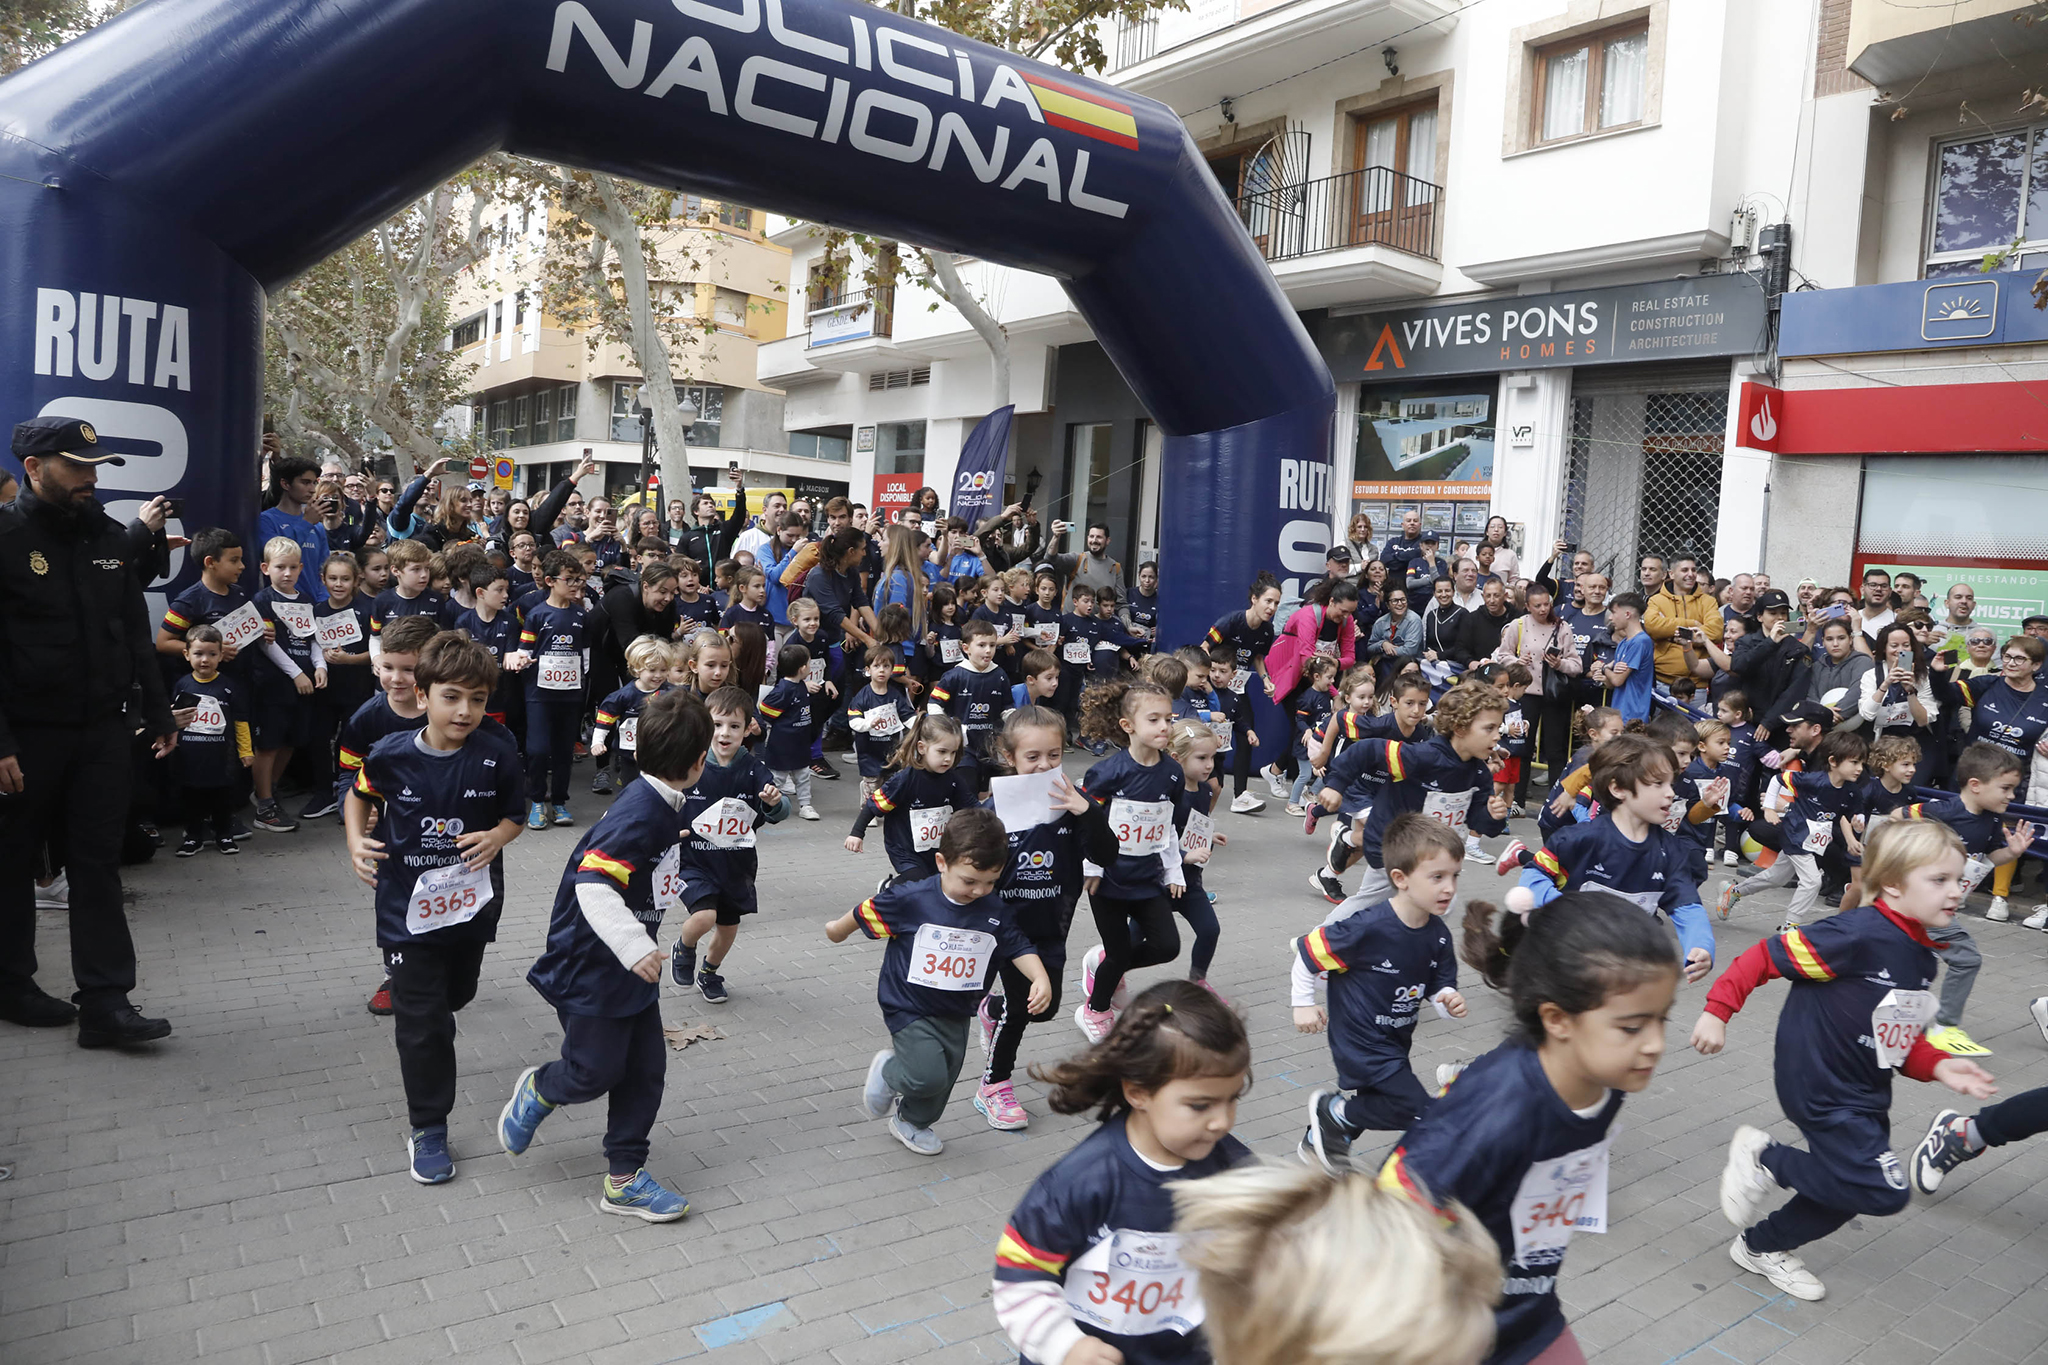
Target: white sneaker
point(1745, 1184)
point(1998, 913)
point(1728, 858)
point(1275, 783)
point(2037, 920)
point(851, 760)
point(1247, 805)
point(1784, 1270)
point(806, 812)
point(2039, 1009)
point(1448, 1072)
point(923, 1141)
point(55, 896)
point(1475, 854)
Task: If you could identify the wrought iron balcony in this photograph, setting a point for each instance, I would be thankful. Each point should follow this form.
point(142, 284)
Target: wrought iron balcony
point(1376, 206)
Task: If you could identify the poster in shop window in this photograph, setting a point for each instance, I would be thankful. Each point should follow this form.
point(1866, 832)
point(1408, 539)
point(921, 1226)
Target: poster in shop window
point(1424, 446)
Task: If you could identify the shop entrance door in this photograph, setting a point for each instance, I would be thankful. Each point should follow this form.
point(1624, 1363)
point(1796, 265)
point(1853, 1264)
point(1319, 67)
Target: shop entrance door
point(1643, 472)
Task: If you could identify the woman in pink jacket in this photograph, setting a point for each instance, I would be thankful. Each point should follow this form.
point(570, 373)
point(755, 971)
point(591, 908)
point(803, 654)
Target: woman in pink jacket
point(1323, 624)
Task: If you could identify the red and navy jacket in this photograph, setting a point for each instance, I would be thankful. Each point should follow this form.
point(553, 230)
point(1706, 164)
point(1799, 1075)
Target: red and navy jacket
point(1840, 968)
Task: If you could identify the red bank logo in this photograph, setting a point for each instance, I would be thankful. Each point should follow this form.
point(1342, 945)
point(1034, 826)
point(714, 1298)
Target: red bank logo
point(1758, 420)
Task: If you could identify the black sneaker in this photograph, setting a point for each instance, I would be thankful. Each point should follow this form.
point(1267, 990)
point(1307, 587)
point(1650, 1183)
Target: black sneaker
point(226, 846)
point(320, 807)
point(193, 843)
point(682, 964)
point(1328, 887)
point(272, 820)
point(239, 831)
point(601, 785)
point(1945, 1147)
point(711, 986)
point(820, 768)
point(153, 834)
point(1327, 1142)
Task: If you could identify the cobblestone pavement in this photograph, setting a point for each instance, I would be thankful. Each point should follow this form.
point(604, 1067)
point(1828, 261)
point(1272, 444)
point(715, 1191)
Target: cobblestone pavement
point(240, 1195)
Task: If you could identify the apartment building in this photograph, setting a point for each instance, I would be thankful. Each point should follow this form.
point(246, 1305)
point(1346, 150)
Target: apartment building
point(1533, 239)
point(545, 396)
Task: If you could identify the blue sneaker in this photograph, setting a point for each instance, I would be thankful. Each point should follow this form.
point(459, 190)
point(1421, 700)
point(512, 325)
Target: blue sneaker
point(562, 816)
point(537, 815)
point(522, 1114)
point(1211, 895)
point(682, 964)
point(876, 1098)
point(711, 986)
point(644, 1197)
point(427, 1148)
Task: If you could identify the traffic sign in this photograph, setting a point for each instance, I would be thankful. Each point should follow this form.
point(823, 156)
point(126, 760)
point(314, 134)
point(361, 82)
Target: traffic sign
point(480, 468)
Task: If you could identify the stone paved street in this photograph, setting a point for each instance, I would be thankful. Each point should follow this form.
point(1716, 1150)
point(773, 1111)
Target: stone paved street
point(241, 1196)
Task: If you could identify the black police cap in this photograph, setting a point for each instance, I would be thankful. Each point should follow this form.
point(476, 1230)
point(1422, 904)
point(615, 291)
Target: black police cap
point(66, 436)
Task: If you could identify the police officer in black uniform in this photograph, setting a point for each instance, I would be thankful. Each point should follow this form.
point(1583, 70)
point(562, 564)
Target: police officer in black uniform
point(75, 644)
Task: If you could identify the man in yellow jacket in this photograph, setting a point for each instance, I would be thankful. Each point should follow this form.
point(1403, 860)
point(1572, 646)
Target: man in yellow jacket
point(1678, 610)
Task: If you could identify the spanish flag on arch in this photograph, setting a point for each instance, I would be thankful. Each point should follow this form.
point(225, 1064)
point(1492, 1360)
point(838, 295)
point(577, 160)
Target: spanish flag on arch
point(1078, 111)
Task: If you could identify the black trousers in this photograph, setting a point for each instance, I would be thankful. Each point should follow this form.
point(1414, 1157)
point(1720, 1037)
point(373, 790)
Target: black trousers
point(625, 1059)
point(428, 984)
point(1550, 722)
point(1157, 941)
point(1010, 1013)
point(76, 785)
point(209, 811)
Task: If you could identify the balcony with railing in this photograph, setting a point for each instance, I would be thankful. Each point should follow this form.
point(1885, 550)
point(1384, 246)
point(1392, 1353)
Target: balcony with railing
point(851, 315)
point(1376, 206)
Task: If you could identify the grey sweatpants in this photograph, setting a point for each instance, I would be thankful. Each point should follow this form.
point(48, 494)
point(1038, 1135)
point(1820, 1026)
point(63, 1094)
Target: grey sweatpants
point(1959, 954)
point(929, 1054)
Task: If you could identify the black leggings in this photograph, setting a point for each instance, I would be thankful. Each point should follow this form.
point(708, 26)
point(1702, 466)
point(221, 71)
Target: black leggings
point(1550, 722)
point(1240, 753)
point(1158, 941)
point(1002, 1057)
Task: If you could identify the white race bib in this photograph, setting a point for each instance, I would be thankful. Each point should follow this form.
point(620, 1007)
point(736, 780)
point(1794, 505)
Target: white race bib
point(816, 674)
point(949, 651)
point(1818, 837)
point(668, 880)
point(728, 824)
point(1649, 901)
point(1075, 651)
point(1897, 1023)
point(928, 826)
point(1240, 680)
point(1133, 1284)
point(1017, 624)
point(1046, 633)
point(1974, 869)
point(296, 617)
point(1674, 817)
point(629, 733)
point(884, 721)
point(209, 717)
point(1449, 807)
point(337, 632)
point(1141, 827)
point(1896, 714)
point(561, 672)
point(241, 627)
point(447, 895)
point(1326, 648)
point(1199, 834)
point(950, 959)
point(1558, 1197)
point(1221, 729)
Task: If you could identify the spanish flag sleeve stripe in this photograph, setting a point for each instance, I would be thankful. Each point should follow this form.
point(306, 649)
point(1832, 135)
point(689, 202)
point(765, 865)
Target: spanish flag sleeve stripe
point(1552, 868)
point(1807, 962)
point(1014, 1253)
point(773, 713)
point(596, 860)
point(527, 637)
point(1395, 767)
point(176, 620)
point(1394, 1179)
point(1215, 636)
point(882, 802)
point(1916, 811)
point(363, 786)
point(940, 693)
point(350, 758)
point(871, 921)
point(1318, 946)
point(606, 718)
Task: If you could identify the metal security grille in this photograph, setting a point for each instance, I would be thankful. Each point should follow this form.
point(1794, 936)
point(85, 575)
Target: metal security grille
point(1643, 474)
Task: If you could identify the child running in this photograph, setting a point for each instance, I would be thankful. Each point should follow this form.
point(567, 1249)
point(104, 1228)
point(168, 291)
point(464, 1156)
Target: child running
point(1521, 1136)
point(1858, 1005)
point(1040, 885)
point(1625, 849)
point(650, 658)
point(213, 749)
point(1144, 790)
point(601, 969)
point(1403, 955)
point(792, 710)
point(446, 800)
point(1089, 1270)
point(945, 934)
point(719, 862)
point(557, 634)
point(1191, 745)
point(975, 693)
point(878, 715)
point(915, 804)
point(1407, 708)
point(1818, 806)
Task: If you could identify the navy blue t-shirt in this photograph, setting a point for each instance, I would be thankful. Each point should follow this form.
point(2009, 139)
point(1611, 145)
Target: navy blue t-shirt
point(1380, 973)
point(941, 957)
point(1428, 777)
point(787, 711)
point(909, 801)
point(1132, 792)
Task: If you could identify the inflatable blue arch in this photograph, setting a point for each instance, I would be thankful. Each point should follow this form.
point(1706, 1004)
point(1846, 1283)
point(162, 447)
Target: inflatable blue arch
point(160, 173)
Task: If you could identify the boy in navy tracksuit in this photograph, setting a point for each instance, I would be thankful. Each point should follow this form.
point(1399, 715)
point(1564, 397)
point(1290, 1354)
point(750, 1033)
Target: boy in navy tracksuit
point(790, 711)
point(975, 693)
point(213, 749)
point(601, 969)
point(1382, 964)
point(1818, 808)
point(946, 937)
point(556, 634)
point(1079, 630)
point(447, 799)
point(878, 715)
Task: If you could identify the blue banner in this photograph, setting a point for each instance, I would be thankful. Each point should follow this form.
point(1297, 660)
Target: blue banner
point(978, 480)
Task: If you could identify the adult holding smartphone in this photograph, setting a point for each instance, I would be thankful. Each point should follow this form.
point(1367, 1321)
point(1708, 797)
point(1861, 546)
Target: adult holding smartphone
point(293, 484)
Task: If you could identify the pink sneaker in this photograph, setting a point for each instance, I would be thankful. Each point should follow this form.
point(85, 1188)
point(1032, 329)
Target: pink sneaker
point(1095, 1024)
point(1118, 998)
point(988, 1023)
point(998, 1104)
point(1203, 982)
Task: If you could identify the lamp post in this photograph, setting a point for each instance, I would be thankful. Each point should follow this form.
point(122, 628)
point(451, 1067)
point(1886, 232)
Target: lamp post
point(649, 497)
point(646, 452)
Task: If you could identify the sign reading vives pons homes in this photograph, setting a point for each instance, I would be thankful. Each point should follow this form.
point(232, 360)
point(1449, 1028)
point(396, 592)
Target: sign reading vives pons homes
point(1705, 315)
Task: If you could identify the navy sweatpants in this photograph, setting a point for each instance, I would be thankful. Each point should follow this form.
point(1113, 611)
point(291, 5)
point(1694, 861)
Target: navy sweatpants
point(1848, 1167)
point(622, 1058)
point(553, 721)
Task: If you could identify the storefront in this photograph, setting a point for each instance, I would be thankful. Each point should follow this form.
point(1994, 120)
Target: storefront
point(1908, 434)
point(1597, 416)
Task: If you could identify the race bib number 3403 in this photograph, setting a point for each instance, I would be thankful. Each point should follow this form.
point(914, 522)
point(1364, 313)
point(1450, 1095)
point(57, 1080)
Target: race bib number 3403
point(948, 959)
